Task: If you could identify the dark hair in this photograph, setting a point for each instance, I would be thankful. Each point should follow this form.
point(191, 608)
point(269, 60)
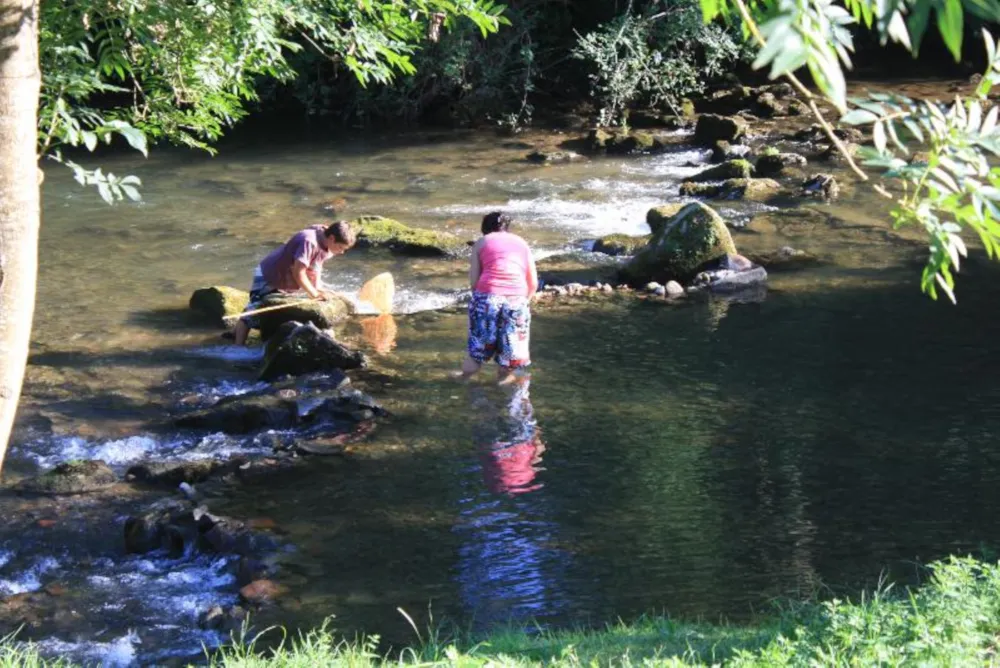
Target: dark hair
point(496, 221)
point(341, 232)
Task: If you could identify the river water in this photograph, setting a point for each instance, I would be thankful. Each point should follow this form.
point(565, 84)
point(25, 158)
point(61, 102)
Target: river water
point(699, 459)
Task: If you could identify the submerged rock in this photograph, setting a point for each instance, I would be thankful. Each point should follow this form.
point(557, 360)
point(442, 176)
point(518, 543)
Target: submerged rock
point(785, 259)
point(179, 527)
point(379, 232)
point(298, 349)
point(324, 314)
point(723, 151)
point(730, 280)
point(620, 244)
point(824, 186)
point(732, 169)
point(262, 591)
point(693, 237)
point(243, 414)
point(174, 473)
point(767, 106)
point(218, 301)
point(712, 128)
point(553, 157)
point(74, 477)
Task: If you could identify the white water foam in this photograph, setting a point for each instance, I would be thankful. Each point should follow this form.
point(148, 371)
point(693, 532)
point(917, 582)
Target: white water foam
point(120, 453)
point(118, 653)
point(617, 214)
point(29, 579)
point(228, 353)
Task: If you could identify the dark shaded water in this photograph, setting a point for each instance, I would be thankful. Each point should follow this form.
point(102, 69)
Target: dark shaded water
point(699, 459)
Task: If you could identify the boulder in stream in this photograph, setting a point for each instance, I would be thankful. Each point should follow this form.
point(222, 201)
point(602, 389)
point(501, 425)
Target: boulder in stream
point(712, 128)
point(74, 477)
point(748, 189)
point(658, 216)
point(775, 164)
point(218, 301)
point(379, 232)
point(172, 474)
point(731, 169)
point(298, 349)
point(620, 244)
point(243, 414)
point(693, 237)
point(324, 314)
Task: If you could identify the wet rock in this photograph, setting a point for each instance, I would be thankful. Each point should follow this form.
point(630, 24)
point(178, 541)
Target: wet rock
point(633, 142)
point(824, 186)
point(218, 301)
point(785, 259)
point(780, 91)
point(732, 169)
point(242, 414)
point(723, 151)
point(658, 216)
point(646, 120)
point(158, 527)
point(261, 591)
point(379, 232)
point(730, 281)
point(74, 477)
point(696, 235)
point(767, 106)
point(620, 244)
point(553, 157)
point(298, 349)
point(798, 108)
point(674, 289)
point(776, 164)
point(749, 189)
point(172, 474)
point(660, 291)
point(728, 100)
point(250, 569)
point(712, 128)
point(324, 314)
point(815, 133)
point(218, 187)
point(653, 286)
point(226, 536)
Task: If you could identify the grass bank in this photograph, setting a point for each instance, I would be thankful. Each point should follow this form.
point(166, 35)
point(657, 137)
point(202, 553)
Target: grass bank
point(953, 619)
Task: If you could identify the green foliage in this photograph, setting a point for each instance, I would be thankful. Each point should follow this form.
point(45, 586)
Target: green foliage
point(653, 59)
point(183, 71)
point(951, 185)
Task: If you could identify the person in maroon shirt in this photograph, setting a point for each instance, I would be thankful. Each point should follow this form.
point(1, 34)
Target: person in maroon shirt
point(295, 266)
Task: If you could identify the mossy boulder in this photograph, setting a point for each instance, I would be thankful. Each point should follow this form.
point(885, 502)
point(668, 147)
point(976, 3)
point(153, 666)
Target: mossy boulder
point(620, 244)
point(776, 164)
point(218, 301)
point(749, 189)
point(75, 477)
point(731, 169)
point(711, 128)
point(723, 151)
point(323, 314)
point(693, 237)
point(598, 139)
point(767, 106)
point(380, 232)
point(658, 216)
point(620, 142)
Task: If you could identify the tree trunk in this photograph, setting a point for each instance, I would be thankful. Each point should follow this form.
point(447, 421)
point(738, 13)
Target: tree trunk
point(19, 198)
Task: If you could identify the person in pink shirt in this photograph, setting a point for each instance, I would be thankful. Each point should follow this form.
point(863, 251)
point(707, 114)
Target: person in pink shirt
point(296, 265)
point(504, 280)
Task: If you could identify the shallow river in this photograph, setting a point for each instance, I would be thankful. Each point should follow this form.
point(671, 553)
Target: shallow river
point(699, 459)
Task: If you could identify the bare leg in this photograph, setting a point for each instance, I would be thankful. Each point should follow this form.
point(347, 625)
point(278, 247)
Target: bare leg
point(505, 375)
point(242, 332)
point(469, 368)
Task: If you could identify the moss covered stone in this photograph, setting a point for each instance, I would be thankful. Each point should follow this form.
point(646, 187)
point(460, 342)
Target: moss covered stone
point(658, 216)
point(74, 477)
point(776, 163)
point(218, 301)
point(379, 232)
point(696, 235)
point(750, 189)
point(323, 314)
point(731, 169)
point(620, 244)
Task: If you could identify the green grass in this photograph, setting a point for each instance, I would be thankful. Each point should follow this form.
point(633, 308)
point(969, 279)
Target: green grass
point(953, 619)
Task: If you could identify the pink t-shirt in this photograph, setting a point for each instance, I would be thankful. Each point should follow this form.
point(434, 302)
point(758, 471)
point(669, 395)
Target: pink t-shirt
point(504, 262)
point(305, 247)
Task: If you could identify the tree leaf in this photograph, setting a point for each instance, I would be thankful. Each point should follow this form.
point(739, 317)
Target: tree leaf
point(858, 117)
point(950, 25)
point(878, 136)
point(917, 23)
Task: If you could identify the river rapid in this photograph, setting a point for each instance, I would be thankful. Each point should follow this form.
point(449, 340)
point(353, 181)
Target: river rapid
point(701, 458)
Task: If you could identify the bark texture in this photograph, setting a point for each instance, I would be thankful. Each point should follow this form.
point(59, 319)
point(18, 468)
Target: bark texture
point(19, 198)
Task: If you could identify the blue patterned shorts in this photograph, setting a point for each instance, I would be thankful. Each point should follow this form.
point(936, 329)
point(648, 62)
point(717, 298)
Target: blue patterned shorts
point(500, 328)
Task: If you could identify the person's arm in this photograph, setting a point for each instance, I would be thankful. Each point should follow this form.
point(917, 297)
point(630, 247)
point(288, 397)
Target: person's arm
point(301, 275)
point(532, 275)
point(474, 268)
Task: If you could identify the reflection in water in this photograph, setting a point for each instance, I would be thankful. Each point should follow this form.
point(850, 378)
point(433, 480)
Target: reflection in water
point(507, 571)
point(379, 333)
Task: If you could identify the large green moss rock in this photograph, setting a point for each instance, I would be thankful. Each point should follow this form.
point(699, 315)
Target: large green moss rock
point(379, 232)
point(696, 235)
point(731, 169)
point(620, 244)
point(657, 217)
point(323, 314)
point(218, 301)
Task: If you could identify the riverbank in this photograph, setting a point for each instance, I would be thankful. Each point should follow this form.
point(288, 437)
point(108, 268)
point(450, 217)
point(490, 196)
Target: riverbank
point(952, 619)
